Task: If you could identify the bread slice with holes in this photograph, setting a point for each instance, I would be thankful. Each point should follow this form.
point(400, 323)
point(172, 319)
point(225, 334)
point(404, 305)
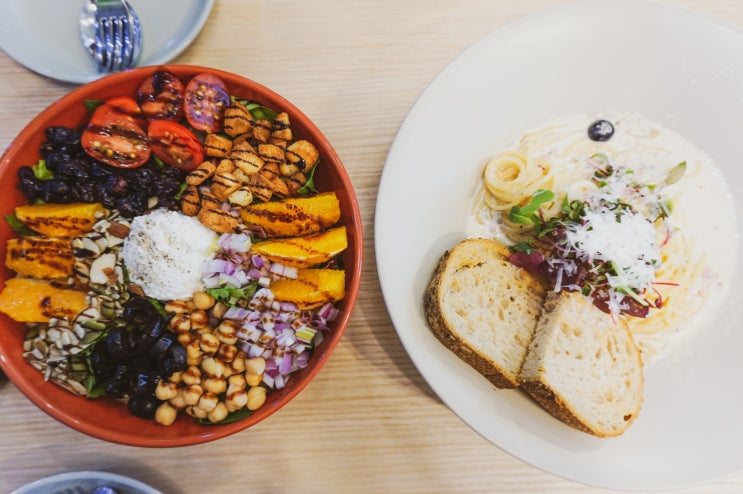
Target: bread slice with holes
point(583, 367)
point(484, 309)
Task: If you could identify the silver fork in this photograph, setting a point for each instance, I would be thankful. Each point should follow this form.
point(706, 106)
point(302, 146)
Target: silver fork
point(112, 34)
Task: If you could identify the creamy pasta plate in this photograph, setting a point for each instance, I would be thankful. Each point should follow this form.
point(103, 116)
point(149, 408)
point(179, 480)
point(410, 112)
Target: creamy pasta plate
point(681, 76)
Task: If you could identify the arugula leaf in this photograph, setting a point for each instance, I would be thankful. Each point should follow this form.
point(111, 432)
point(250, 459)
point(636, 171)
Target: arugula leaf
point(41, 171)
point(309, 187)
point(525, 215)
point(17, 226)
point(181, 190)
point(258, 111)
point(92, 104)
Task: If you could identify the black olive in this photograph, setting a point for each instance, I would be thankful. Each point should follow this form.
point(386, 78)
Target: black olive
point(161, 345)
point(118, 343)
point(116, 184)
point(143, 407)
point(131, 205)
point(118, 384)
point(99, 171)
point(180, 359)
point(74, 168)
point(62, 135)
point(600, 130)
point(31, 186)
point(104, 197)
point(83, 191)
point(100, 359)
point(153, 333)
point(55, 190)
point(144, 383)
point(138, 310)
point(46, 148)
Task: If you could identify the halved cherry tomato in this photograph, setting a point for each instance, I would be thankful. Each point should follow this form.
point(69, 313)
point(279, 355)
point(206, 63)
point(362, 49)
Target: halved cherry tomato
point(122, 106)
point(117, 142)
point(175, 144)
point(161, 96)
point(205, 100)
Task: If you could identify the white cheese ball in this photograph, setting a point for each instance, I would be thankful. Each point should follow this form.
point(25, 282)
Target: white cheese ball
point(165, 254)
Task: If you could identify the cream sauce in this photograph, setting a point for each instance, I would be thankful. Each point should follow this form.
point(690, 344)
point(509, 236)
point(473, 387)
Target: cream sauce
point(703, 211)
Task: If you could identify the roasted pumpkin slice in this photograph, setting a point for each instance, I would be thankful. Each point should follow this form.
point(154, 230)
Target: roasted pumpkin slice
point(40, 257)
point(27, 300)
point(295, 216)
point(60, 220)
point(312, 288)
point(304, 252)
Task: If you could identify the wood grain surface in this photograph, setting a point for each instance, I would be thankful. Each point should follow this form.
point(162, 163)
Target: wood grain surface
point(368, 423)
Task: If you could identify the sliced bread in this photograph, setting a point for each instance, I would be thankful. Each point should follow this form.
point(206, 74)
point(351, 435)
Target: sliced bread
point(484, 309)
point(583, 367)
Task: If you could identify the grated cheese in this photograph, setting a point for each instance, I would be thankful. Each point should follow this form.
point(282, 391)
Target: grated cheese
point(628, 239)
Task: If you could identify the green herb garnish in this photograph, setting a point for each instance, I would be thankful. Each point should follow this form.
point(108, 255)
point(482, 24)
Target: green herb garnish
point(231, 295)
point(41, 171)
point(527, 214)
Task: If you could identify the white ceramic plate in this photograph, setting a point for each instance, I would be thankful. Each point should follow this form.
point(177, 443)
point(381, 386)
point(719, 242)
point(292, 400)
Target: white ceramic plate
point(677, 68)
point(43, 35)
point(84, 482)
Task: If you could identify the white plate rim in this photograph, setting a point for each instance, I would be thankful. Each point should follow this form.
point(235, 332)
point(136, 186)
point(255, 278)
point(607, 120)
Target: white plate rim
point(85, 479)
point(403, 295)
point(74, 66)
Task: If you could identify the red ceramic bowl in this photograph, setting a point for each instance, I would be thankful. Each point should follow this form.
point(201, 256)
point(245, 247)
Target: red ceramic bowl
point(108, 419)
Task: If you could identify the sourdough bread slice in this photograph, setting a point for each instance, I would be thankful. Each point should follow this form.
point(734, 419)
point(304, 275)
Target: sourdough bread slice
point(484, 309)
point(583, 367)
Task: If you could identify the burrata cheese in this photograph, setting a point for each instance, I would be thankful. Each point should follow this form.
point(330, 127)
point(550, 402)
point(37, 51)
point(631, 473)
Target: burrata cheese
point(165, 254)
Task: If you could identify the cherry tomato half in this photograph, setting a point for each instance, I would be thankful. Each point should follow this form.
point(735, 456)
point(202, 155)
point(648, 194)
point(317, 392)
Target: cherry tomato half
point(117, 142)
point(161, 96)
point(123, 106)
point(175, 144)
point(205, 101)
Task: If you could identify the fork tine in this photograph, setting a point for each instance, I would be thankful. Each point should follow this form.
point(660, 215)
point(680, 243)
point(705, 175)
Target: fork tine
point(118, 51)
point(127, 59)
point(108, 43)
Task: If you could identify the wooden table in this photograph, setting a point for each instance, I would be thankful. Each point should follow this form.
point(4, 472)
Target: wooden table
point(368, 422)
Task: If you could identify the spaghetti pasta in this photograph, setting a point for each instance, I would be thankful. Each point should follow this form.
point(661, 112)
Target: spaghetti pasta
point(626, 173)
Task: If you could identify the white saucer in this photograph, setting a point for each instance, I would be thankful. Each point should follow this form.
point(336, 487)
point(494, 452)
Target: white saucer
point(86, 481)
point(43, 35)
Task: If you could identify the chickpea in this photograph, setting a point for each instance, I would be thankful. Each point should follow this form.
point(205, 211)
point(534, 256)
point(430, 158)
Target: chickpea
point(209, 343)
point(191, 394)
point(238, 363)
point(227, 332)
point(203, 300)
point(236, 398)
point(176, 307)
point(227, 352)
point(215, 385)
point(180, 323)
point(212, 367)
point(165, 390)
point(218, 310)
point(196, 412)
point(178, 401)
point(185, 338)
point(255, 366)
point(199, 319)
point(237, 381)
point(176, 377)
point(208, 401)
point(165, 414)
point(256, 397)
point(193, 349)
point(192, 375)
point(253, 379)
point(218, 413)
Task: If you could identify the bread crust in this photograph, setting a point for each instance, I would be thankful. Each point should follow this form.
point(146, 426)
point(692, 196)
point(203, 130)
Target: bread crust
point(450, 338)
